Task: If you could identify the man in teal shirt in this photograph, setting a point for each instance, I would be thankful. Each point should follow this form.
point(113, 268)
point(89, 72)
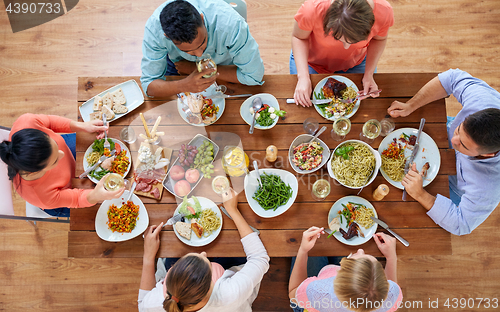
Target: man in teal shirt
point(180, 31)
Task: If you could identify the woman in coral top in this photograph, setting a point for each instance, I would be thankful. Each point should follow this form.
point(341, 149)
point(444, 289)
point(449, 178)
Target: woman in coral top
point(339, 36)
point(41, 165)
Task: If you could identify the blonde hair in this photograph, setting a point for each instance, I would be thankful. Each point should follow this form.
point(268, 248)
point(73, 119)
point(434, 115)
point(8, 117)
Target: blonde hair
point(364, 279)
point(188, 283)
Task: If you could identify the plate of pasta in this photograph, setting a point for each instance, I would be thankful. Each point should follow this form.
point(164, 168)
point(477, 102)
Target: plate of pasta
point(353, 211)
point(396, 147)
point(119, 163)
point(202, 221)
point(117, 221)
point(354, 164)
point(336, 88)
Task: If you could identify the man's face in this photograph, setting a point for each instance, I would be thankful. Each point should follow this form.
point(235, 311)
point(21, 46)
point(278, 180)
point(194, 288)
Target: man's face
point(463, 143)
point(199, 44)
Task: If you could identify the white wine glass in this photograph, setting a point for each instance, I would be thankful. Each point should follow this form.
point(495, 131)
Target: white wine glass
point(371, 130)
point(341, 127)
point(206, 62)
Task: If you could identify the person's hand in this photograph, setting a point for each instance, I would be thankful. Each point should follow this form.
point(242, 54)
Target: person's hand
point(185, 67)
point(309, 238)
point(303, 92)
point(230, 200)
point(152, 241)
point(196, 83)
point(399, 109)
point(369, 85)
point(94, 126)
point(413, 182)
point(100, 194)
point(386, 244)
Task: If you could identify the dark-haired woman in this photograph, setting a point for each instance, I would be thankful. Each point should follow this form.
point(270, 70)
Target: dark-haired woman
point(41, 165)
point(346, 36)
point(193, 283)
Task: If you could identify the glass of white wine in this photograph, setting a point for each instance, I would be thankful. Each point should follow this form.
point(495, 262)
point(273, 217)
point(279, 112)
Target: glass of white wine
point(320, 189)
point(114, 182)
point(341, 128)
point(371, 130)
point(206, 62)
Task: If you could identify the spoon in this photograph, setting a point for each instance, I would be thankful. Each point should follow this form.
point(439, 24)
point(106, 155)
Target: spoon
point(320, 131)
point(256, 105)
point(258, 174)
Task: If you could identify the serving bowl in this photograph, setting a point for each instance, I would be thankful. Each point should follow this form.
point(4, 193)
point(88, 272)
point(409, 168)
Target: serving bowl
point(266, 98)
point(304, 138)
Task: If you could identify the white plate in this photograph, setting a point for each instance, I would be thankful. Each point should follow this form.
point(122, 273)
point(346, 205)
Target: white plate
point(268, 99)
point(251, 185)
point(345, 80)
point(334, 212)
point(219, 102)
point(303, 138)
point(101, 219)
point(132, 92)
point(430, 154)
point(89, 150)
point(203, 241)
point(378, 163)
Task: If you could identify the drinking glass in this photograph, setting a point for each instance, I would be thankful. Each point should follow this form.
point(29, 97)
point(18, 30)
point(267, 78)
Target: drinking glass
point(371, 130)
point(205, 62)
point(341, 128)
point(387, 125)
point(127, 135)
point(115, 181)
point(320, 189)
point(311, 125)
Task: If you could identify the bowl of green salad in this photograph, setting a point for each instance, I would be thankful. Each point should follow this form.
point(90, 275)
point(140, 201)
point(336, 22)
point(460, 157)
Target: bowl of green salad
point(267, 117)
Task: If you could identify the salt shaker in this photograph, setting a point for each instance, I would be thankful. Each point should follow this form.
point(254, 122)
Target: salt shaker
point(380, 192)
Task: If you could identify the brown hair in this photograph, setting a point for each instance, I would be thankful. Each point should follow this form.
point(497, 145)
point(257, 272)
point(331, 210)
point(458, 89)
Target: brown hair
point(351, 19)
point(189, 281)
point(363, 279)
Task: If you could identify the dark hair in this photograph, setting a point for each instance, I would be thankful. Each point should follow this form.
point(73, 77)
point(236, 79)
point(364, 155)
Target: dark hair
point(180, 21)
point(28, 151)
point(361, 278)
point(351, 19)
point(483, 127)
point(189, 281)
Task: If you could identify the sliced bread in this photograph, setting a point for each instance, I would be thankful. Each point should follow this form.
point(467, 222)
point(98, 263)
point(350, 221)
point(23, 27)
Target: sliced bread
point(107, 110)
point(96, 116)
point(120, 109)
point(97, 103)
point(118, 97)
point(107, 99)
point(183, 229)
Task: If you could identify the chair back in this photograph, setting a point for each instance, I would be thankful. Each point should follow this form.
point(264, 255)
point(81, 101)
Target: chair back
point(6, 207)
point(240, 6)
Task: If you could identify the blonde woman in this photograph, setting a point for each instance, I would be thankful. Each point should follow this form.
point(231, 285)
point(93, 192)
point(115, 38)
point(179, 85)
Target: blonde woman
point(359, 284)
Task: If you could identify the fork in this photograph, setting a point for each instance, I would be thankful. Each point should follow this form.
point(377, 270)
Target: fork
point(106, 143)
point(185, 108)
point(348, 101)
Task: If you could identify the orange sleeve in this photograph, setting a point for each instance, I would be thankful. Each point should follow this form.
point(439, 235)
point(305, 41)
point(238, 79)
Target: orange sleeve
point(71, 198)
point(305, 16)
point(57, 124)
point(384, 18)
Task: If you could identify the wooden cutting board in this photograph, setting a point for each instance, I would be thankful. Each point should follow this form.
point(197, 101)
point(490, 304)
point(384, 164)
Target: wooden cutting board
point(166, 153)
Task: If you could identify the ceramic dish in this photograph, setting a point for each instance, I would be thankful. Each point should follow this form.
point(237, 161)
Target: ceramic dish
point(219, 102)
point(268, 99)
point(334, 212)
point(251, 185)
point(89, 150)
point(101, 219)
point(303, 138)
point(349, 83)
point(195, 241)
point(427, 152)
point(132, 93)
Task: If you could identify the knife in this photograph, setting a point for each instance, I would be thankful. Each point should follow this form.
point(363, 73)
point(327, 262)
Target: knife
point(225, 96)
point(409, 161)
point(385, 226)
point(315, 102)
point(103, 158)
point(227, 214)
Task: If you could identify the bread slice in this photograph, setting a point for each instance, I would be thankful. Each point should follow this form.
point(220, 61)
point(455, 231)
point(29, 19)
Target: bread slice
point(118, 97)
point(109, 113)
point(96, 116)
point(197, 228)
point(97, 103)
point(107, 99)
point(120, 109)
point(334, 225)
point(183, 229)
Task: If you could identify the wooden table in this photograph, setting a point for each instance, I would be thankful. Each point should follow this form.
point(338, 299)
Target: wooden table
point(281, 235)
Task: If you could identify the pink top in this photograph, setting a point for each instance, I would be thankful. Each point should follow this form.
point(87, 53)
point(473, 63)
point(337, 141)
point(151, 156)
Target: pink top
point(217, 271)
point(53, 189)
point(327, 55)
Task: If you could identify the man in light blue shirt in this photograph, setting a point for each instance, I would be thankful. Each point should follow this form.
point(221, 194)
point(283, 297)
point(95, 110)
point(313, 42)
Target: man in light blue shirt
point(475, 136)
point(180, 31)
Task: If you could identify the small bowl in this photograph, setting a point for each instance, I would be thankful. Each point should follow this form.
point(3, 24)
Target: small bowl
point(378, 163)
point(268, 99)
point(303, 138)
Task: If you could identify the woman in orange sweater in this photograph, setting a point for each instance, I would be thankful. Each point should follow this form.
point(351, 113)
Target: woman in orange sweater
point(41, 165)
